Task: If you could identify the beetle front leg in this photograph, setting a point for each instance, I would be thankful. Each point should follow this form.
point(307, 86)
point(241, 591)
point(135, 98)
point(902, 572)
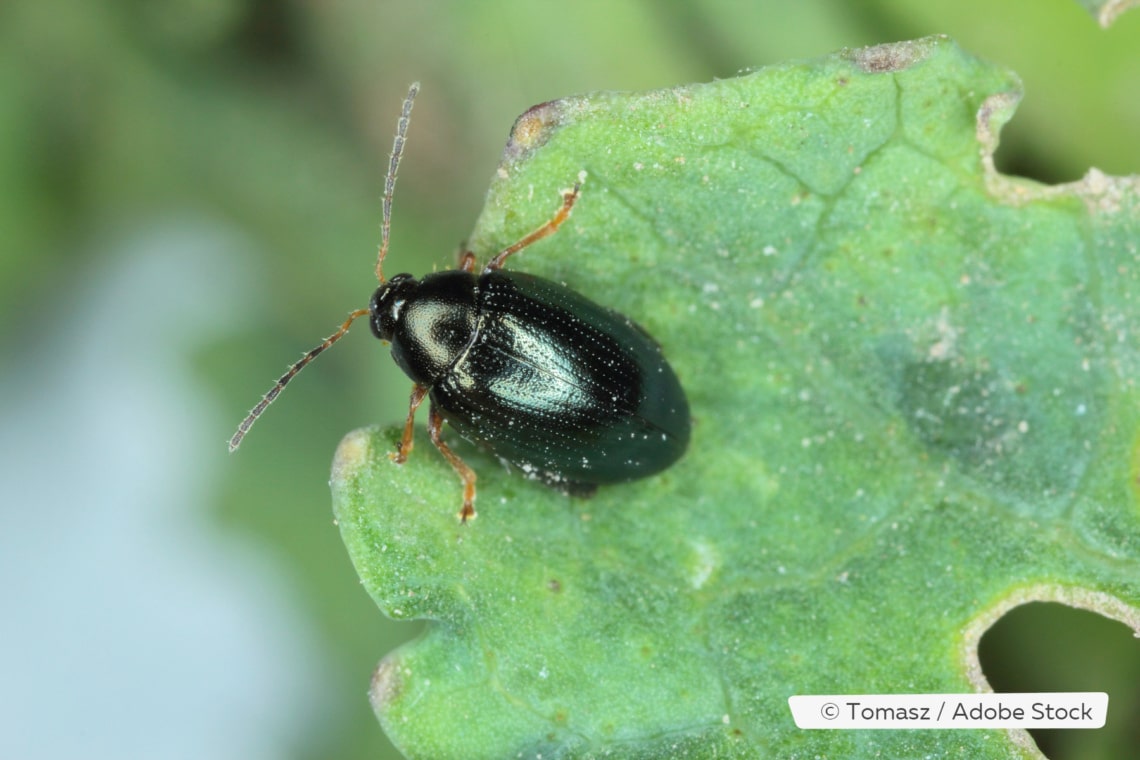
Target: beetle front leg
point(406, 440)
point(466, 474)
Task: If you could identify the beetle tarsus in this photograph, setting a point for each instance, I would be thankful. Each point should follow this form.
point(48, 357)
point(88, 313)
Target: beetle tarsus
point(568, 199)
point(468, 511)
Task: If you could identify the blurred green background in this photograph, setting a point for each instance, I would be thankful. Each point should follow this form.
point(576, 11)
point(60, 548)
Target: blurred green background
point(190, 199)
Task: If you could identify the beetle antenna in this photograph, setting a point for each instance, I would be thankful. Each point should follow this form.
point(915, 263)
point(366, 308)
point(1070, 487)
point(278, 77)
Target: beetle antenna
point(279, 386)
point(390, 180)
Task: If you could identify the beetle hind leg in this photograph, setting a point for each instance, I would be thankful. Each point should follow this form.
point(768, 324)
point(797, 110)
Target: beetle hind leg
point(547, 229)
point(465, 473)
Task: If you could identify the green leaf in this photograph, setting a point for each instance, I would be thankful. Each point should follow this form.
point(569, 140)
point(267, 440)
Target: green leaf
point(913, 385)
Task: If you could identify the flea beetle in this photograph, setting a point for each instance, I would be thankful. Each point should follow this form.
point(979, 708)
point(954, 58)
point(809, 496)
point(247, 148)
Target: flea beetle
point(569, 392)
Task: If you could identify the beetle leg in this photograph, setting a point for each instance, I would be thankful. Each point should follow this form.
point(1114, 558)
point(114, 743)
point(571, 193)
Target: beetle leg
point(467, 261)
point(549, 228)
point(401, 454)
point(466, 474)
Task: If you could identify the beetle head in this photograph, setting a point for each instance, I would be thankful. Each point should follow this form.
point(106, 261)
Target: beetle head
point(387, 303)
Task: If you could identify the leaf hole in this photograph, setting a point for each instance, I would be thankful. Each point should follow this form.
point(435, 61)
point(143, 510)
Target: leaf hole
point(1019, 156)
point(1047, 646)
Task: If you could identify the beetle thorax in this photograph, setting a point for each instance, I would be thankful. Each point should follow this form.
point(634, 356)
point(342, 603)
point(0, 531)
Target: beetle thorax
point(430, 323)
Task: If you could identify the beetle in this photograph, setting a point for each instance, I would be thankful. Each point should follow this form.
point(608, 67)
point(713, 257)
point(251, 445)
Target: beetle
point(568, 391)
